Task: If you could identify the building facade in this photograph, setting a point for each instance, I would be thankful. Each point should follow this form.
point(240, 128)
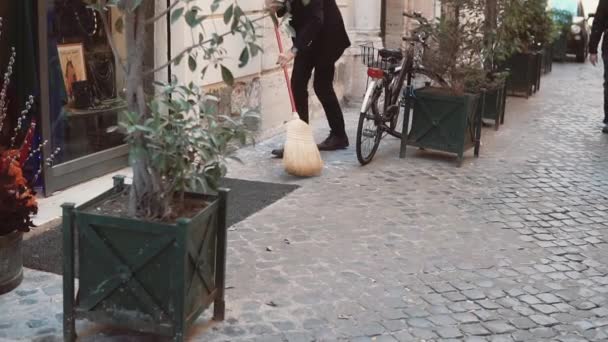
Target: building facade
point(261, 85)
point(78, 84)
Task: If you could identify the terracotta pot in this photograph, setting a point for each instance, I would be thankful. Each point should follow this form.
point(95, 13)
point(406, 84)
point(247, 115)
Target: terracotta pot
point(11, 262)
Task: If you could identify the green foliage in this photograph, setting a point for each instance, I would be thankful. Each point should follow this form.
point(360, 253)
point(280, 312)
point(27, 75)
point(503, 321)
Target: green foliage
point(186, 140)
point(562, 21)
point(179, 142)
point(524, 25)
point(457, 45)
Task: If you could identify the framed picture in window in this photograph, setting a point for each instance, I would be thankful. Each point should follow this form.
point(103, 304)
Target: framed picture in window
point(73, 67)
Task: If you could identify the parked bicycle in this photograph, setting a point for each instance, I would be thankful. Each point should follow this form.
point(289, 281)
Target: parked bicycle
point(394, 79)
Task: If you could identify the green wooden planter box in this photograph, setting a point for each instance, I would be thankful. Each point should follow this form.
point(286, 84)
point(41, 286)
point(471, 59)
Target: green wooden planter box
point(524, 73)
point(537, 70)
point(147, 277)
point(559, 49)
point(494, 105)
point(548, 60)
point(445, 122)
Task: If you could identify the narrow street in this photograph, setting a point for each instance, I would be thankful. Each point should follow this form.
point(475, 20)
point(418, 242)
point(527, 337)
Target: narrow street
point(509, 247)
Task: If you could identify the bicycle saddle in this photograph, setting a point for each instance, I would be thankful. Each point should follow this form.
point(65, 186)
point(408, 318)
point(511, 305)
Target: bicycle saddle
point(391, 53)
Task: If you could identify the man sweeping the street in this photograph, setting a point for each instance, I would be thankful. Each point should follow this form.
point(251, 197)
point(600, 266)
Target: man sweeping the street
point(320, 40)
point(600, 24)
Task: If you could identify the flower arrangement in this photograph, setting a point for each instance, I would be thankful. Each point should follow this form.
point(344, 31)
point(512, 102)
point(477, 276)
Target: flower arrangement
point(17, 200)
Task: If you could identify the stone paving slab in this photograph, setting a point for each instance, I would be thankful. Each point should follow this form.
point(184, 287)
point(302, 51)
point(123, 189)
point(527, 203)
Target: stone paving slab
point(508, 247)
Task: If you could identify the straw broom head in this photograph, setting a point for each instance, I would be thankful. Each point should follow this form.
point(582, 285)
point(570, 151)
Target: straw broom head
point(301, 156)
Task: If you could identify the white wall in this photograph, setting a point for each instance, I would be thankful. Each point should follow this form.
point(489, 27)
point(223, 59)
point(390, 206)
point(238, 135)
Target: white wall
point(261, 80)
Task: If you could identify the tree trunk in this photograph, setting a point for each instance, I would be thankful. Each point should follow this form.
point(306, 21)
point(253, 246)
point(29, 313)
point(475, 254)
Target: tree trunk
point(146, 197)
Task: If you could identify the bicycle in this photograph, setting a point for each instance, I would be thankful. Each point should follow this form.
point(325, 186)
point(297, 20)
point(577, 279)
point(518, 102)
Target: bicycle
point(385, 96)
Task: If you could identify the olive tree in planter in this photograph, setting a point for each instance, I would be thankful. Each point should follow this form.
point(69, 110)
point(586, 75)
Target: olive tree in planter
point(152, 254)
point(449, 119)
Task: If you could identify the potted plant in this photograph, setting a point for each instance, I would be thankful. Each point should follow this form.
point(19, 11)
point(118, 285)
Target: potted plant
point(448, 119)
point(527, 26)
point(152, 253)
point(17, 206)
point(495, 102)
point(17, 199)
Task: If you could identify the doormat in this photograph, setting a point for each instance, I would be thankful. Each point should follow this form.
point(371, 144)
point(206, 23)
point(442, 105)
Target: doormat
point(43, 251)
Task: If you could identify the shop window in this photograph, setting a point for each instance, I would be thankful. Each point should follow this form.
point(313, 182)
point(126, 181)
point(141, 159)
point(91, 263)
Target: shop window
point(85, 81)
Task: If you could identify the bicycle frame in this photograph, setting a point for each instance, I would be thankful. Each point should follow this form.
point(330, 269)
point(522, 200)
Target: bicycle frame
point(393, 85)
point(391, 75)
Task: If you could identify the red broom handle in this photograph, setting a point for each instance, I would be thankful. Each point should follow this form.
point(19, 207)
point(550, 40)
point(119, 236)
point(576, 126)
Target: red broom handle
point(291, 98)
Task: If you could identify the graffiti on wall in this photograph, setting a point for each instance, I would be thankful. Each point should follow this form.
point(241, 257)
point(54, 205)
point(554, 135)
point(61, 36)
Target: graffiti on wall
point(241, 98)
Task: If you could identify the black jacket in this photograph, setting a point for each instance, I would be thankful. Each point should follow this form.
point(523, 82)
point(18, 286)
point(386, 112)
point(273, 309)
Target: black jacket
point(319, 28)
point(600, 24)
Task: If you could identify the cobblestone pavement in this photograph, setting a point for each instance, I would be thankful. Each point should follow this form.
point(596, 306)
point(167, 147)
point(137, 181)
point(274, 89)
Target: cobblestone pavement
point(509, 247)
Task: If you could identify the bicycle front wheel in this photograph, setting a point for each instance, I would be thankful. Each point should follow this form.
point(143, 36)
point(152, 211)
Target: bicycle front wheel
point(369, 132)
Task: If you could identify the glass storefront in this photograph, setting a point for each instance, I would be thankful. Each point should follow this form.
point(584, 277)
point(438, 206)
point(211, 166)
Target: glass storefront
point(81, 86)
point(83, 82)
point(65, 60)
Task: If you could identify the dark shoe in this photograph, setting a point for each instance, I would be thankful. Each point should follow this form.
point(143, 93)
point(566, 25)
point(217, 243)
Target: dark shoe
point(278, 153)
point(334, 142)
point(605, 121)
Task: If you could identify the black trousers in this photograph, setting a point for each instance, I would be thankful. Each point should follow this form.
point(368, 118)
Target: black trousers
point(325, 71)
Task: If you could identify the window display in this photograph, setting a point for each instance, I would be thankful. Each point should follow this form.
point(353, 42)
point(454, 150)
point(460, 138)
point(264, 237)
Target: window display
point(83, 81)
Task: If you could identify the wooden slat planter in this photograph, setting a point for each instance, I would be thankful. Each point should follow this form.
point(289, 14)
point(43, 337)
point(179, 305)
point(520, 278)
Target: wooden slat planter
point(495, 104)
point(444, 122)
point(548, 60)
point(537, 70)
point(148, 277)
point(523, 68)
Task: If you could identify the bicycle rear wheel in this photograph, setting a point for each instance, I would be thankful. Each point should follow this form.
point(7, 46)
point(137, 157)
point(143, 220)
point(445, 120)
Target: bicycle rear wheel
point(369, 132)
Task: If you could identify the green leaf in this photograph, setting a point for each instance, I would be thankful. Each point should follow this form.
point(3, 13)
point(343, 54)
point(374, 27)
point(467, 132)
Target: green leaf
point(144, 128)
point(238, 13)
point(191, 63)
point(215, 5)
point(178, 59)
point(255, 49)
point(192, 18)
point(176, 15)
point(244, 58)
point(228, 14)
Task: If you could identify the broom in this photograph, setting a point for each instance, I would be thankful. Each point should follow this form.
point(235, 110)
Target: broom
point(301, 156)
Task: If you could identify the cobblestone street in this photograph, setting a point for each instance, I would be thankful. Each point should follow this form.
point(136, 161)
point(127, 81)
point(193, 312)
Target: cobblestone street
point(508, 247)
